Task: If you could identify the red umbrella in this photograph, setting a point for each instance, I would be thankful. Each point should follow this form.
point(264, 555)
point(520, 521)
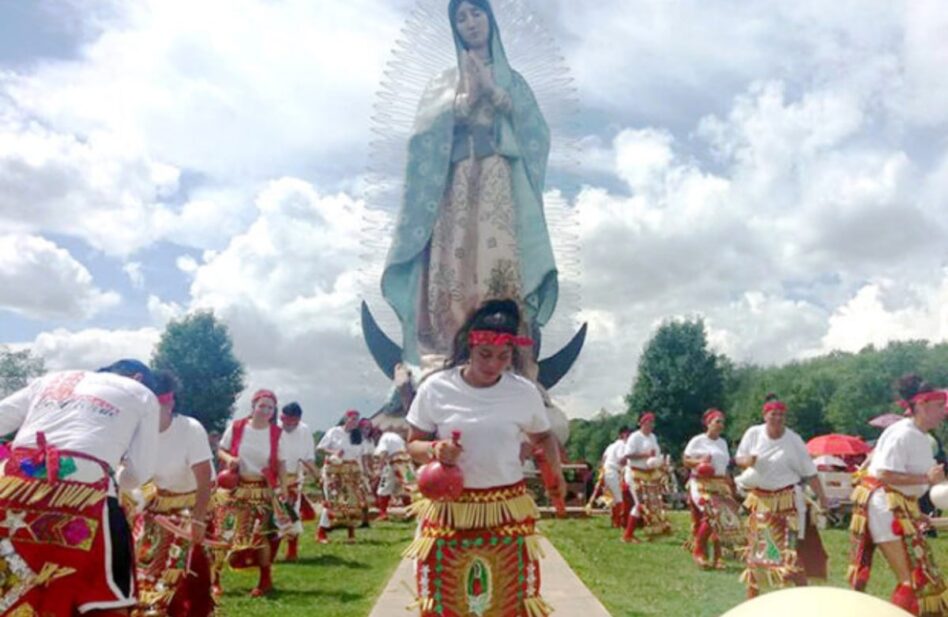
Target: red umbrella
point(837, 445)
point(885, 420)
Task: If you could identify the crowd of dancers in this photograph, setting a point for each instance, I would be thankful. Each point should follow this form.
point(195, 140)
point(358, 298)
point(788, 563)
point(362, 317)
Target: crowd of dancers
point(774, 532)
point(113, 504)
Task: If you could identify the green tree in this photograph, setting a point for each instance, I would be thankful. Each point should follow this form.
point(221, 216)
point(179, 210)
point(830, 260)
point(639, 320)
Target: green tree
point(678, 378)
point(17, 368)
point(199, 350)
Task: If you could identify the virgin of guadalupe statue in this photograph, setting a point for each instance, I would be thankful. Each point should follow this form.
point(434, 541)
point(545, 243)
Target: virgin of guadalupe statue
point(471, 224)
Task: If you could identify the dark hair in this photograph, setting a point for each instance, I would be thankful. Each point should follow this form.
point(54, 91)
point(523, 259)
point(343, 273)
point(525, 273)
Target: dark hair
point(909, 386)
point(624, 429)
point(495, 315)
point(293, 409)
point(129, 367)
point(166, 381)
point(483, 5)
point(771, 396)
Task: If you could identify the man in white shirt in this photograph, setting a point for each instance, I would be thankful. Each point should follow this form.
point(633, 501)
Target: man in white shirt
point(300, 459)
point(612, 461)
point(393, 461)
point(646, 480)
point(73, 428)
point(344, 489)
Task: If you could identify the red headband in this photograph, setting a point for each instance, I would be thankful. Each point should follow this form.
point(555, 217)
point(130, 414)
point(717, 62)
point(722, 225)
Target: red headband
point(352, 413)
point(166, 399)
point(489, 337)
point(774, 406)
point(925, 397)
point(259, 394)
point(711, 415)
point(646, 417)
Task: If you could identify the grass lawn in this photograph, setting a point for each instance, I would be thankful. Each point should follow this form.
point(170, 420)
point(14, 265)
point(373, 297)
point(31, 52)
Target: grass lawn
point(333, 580)
point(658, 578)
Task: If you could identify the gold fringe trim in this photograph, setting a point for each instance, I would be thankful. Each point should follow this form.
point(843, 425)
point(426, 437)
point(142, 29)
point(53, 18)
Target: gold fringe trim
point(419, 548)
point(29, 492)
point(779, 502)
point(252, 493)
point(861, 494)
point(647, 475)
point(172, 502)
point(534, 548)
point(466, 515)
point(537, 607)
point(934, 604)
point(858, 524)
point(713, 486)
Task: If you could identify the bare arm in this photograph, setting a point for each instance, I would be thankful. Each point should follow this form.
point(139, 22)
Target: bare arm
point(817, 486)
point(551, 451)
point(424, 448)
point(202, 475)
point(935, 475)
point(745, 461)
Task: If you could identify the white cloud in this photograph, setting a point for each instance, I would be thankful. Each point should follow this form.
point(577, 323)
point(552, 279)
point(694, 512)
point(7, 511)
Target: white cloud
point(133, 270)
point(163, 312)
point(288, 289)
point(883, 311)
point(38, 279)
point(780, 170)
point(93, 348)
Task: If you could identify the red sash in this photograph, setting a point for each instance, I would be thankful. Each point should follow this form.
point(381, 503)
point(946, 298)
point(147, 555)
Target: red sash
point(272, 471)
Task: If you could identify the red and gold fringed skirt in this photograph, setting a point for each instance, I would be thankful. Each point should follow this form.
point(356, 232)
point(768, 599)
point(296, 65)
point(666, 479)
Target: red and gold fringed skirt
point(345, 494)
point(64, 546)
point(649, 487)
point(775, 553)
point(723, 513)
point(909, 525)
point(479, 556)
point(173, 576)
point(244, 520)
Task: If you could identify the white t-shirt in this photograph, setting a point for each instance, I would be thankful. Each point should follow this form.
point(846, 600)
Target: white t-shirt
point(640, 443)
point(391, 444)
point(903, 448)
point(613, 455)
point(702, 445)
point(337, 440)
point(183, 445)
point(254, 454)
point(780, 462)
point(491, 422)
point(298, 447)
point(103, 415)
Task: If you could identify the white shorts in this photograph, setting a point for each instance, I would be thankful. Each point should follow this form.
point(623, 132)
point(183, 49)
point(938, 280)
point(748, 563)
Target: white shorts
point(613, 483)
point(880, 518)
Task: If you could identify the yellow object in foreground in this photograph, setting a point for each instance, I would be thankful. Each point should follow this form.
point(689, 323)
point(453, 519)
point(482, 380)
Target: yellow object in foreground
point(816, 601)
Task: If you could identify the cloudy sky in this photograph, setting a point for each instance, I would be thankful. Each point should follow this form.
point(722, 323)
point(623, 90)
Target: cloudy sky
point(780, 169)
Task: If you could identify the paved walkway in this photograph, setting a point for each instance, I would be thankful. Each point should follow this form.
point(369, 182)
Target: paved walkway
point(561, 588)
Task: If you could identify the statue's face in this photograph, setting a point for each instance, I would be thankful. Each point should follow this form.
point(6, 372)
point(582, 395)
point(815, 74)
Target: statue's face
point(472, 25)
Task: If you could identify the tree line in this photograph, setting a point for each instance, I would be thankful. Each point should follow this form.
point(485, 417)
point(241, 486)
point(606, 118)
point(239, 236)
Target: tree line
point(679, 377)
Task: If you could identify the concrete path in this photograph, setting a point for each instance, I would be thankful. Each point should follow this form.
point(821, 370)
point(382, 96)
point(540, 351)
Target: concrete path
point(561, 588)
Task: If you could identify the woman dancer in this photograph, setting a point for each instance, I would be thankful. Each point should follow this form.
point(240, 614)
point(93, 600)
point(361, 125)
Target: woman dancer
point(711, 495)
point(480, 550)
point(886, 514)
